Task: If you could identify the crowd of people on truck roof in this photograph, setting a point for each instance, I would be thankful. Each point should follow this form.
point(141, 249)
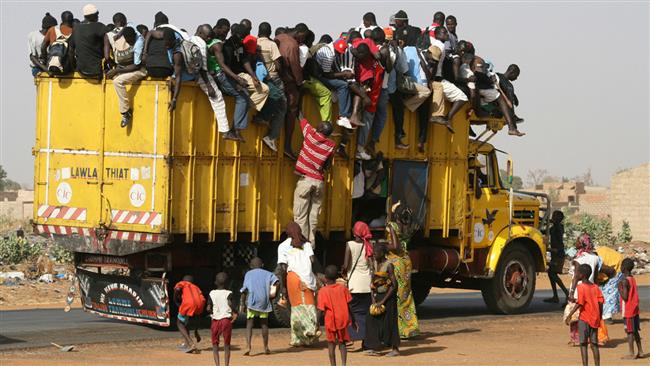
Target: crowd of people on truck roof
point(363, 70)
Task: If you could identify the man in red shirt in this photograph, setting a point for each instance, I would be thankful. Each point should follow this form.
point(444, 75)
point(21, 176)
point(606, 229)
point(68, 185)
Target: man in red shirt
point(334, 301)
point(314, 157)
point(590, 302)
point(190, 302)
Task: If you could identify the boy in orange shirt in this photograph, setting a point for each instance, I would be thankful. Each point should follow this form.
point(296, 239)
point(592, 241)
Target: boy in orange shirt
point(190, 302)
point(334, 300)
point(630, 306)
point(590, 303)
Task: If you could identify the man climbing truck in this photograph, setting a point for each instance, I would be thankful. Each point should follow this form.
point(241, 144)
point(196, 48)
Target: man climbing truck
point(142, 207)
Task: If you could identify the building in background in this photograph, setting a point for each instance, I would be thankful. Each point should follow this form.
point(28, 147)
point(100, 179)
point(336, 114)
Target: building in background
point(17, 205)
point(629, 200)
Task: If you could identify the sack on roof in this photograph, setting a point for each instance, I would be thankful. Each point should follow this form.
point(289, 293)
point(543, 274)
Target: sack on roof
point(57, 53)
point(192, 56)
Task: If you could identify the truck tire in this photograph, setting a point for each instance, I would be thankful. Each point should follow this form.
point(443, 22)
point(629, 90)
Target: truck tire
point(420, 287)
point(511, 289)
point(280, 317)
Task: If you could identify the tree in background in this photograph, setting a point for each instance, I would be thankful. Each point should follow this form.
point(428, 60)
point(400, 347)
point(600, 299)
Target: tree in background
point(517, 182)
point(7, 184)
point(625, 235)
point(536, 176)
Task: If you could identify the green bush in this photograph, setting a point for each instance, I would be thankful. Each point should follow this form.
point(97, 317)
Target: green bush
point(600, 229)
point(61, 254)
point(625, 235)
point(14, 250)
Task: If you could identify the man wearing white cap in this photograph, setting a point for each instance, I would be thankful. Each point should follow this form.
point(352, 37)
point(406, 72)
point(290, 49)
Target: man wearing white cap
point(87, 41)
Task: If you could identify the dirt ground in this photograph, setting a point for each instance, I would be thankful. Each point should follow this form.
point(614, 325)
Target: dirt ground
point(39, 295)
point(524, 340)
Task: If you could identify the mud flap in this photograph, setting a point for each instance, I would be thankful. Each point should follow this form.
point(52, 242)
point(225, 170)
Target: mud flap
point(128, 298)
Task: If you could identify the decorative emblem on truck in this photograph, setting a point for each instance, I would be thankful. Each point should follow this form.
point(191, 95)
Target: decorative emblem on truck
point(490, 217)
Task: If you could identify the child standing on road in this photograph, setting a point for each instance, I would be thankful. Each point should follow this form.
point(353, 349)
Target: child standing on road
point(590, 303)
point(220, 309)
point(630, 307)
point(334, 299)
point(190, 300)
point(256, 296)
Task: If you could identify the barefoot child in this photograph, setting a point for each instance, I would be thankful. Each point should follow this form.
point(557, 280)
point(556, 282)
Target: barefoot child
point(630, 307)
point(220, 309)
point(256, 296)
point(334, 300)
point(590, 303)
point(190, 300)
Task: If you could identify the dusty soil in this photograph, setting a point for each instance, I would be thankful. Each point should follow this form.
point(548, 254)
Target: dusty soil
point(39, 295)
point(524, 340)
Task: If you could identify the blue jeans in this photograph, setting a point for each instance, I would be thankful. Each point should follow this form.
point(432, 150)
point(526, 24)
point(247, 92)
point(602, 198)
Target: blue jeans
point(343, 93)
point(380, 115)
point(275, 108)
point(241, 100)
point(35, 70)
point(364, 131)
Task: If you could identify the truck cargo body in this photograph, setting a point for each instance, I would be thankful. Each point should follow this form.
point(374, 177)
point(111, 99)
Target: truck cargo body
point(169, 194)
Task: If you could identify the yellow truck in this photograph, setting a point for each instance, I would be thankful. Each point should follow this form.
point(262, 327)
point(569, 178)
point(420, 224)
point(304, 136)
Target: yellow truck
point(142, 206)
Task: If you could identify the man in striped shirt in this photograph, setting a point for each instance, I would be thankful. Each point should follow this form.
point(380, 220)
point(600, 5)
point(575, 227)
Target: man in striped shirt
point(313, 159)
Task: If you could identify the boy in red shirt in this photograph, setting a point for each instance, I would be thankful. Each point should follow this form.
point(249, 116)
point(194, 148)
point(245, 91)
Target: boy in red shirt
point(334, 300)
point(630, 309)
point(590, 302)
point(190, 302)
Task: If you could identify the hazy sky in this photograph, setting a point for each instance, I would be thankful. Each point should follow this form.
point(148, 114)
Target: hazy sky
point(584, 87)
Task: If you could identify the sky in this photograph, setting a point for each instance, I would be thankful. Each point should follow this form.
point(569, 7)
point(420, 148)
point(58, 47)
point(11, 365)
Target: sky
point(583, 89)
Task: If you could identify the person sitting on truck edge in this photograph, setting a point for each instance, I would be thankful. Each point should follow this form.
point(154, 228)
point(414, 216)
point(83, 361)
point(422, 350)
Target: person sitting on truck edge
point(127, 50)
point(35, 42)
point(291, 74)
point(505, 86)
point(270, 55)
point(590, 303)
point(313, 159)
point(441, 88)
point(220, 309)
point(385, 57)
point(119, 22)
point(258, 92)
point(487, 90)
point(630, 309)
point(190, 302)
point(312, 85)
point(370, 74)
point(257, 292)
point(229, 64)
point(86, 43)
point(334, 301)
point(556, 264)
point(59, 61)
point(155, 56)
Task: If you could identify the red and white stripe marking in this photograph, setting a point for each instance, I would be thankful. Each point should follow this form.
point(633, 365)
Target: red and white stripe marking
point(136, 217)
point(129, 319)
point(62, 212)
point(111, 235)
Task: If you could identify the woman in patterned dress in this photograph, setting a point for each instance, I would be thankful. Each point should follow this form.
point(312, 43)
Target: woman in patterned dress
point(400, 230)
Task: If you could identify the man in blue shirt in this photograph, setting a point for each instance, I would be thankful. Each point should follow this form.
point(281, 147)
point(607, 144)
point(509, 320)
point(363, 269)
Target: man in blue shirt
point(256, 296)
point(127, 47)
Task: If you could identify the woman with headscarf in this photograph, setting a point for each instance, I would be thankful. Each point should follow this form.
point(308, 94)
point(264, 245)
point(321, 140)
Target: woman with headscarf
point(585, 255)
point(296, 256)
point(608, 278)
point(400, 230)
point(357, 270)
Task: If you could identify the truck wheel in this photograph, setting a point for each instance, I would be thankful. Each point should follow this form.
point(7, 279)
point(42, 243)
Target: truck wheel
point(511, 289)
point(280, 317)
point(420, 288)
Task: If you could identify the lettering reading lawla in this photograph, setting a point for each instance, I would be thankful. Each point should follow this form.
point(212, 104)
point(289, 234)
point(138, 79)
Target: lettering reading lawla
point(117, 173)
point(83, 172)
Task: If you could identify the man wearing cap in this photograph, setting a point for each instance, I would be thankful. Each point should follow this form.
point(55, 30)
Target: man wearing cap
point(257, 90)
point(87, 43)
point(402, 26)
point(335, 79)
point(35, 41)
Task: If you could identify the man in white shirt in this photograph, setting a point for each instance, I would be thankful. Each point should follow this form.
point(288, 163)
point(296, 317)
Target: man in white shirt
point(34, 42)
point(442, 89)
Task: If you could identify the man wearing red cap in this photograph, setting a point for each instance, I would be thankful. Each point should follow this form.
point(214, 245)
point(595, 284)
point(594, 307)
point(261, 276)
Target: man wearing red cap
point(257, 90)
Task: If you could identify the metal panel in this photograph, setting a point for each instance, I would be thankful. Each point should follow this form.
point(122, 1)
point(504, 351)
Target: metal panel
point(409, 185)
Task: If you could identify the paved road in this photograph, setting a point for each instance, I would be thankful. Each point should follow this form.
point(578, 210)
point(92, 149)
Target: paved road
point(37, 328)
